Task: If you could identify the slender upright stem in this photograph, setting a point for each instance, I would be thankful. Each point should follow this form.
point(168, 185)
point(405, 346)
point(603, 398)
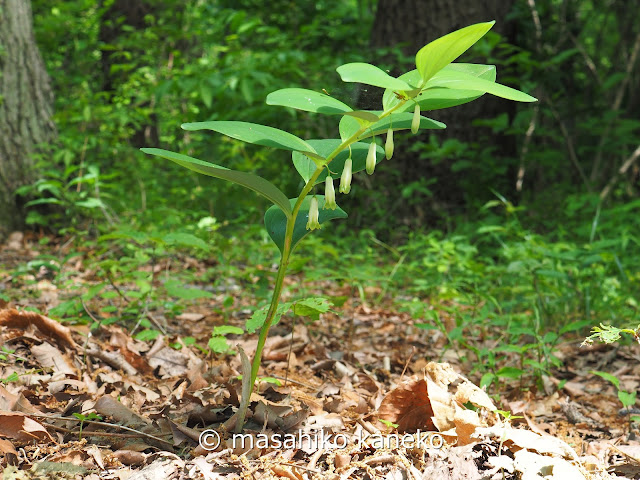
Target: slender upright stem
point(284, 262)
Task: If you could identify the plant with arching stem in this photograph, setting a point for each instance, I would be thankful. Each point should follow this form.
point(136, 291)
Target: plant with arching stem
point(435, 83)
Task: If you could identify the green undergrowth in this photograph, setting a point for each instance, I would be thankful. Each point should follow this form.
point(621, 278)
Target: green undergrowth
point(501, 295)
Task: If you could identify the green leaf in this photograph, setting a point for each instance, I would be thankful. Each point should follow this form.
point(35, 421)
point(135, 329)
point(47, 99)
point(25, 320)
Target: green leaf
point(254, 133)
point(464, 81)
point(90, 203)
point(146, 335)
point(628, 399)
point(227, 330)
point(509, 372)
point(307, 100)
point(434, 56)
point(370, 75)
point(438, 98)
point(306, 167)
point(550, 273)
point(185, 240)
point(175, 289)
point(258, 318)
point(487, 379)
point(311, 307)
point(218, 344)
point(364, 116)
point(608, 377)
point(254, 182)
point(276, 222)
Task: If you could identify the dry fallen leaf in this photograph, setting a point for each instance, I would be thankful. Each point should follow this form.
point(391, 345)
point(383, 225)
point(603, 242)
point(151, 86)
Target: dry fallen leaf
point(8, 451)
point(18, 426)
point(20, 319)
point(49, 356)
point(408, 406)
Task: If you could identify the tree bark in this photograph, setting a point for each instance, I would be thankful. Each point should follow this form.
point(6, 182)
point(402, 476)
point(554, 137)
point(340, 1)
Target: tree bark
point(26, 107)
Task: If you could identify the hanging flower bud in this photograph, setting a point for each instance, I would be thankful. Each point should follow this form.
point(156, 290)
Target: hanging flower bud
point(415, 123)
point(388, 145)
point(345, 179)
point(329, 194)
point(371, 158)
point(313, 222)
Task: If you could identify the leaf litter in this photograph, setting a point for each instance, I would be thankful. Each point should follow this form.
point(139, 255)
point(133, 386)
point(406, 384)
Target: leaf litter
point(98, 403)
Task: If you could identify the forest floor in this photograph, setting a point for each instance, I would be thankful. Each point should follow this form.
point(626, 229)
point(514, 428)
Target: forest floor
point(360, 393)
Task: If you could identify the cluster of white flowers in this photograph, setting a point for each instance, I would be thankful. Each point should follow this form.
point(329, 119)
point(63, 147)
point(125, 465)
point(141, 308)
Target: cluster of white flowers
point(313, 222)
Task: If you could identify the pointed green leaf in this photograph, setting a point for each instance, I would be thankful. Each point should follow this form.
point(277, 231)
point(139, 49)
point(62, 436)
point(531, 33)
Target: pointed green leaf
point(275, 221)
point(437, 98)
point(353, 121)
point(307, 100)
point(254, 182)
point(184, 239)
point(258, 318)
point(431, 58)
point(311, 307)
point(370, 75)
point(464, 81)
point(253, 133)
point(306, 167)
point(607, 376)
point(348, 126)
point(364, 116)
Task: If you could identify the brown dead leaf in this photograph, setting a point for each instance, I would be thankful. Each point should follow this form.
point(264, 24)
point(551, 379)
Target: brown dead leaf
point(172, 363)
point(190, 317)
point(435, 402)
point(15, 241)
point(517, 439)
point(18, 426)
point(49, 356)
point(20, 319)
point(130, 457)
point(466, 422)
point(408, 406)
point(109, 406)
point(8, 451)
point(7, 399)
point(442, 405)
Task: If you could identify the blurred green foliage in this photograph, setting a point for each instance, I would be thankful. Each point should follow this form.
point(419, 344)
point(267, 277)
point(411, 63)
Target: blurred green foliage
point(190, 61)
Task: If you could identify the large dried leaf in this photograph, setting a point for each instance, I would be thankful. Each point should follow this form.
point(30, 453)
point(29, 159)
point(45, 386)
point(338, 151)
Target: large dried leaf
point(49, 356)
point(22, 428)
point(8, 451)
point(20, 319)
point(431, 402)
point(408, 406)
point(110, 407)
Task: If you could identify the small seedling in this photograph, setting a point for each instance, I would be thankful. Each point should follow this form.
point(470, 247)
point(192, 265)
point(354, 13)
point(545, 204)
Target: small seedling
point(436, 83)
point(628, 399)
point(389, 424)
point(610, 334)
point(83, 418)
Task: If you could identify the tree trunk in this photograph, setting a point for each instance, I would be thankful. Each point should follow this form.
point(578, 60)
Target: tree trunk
point(412, 24)
point(26, 107)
